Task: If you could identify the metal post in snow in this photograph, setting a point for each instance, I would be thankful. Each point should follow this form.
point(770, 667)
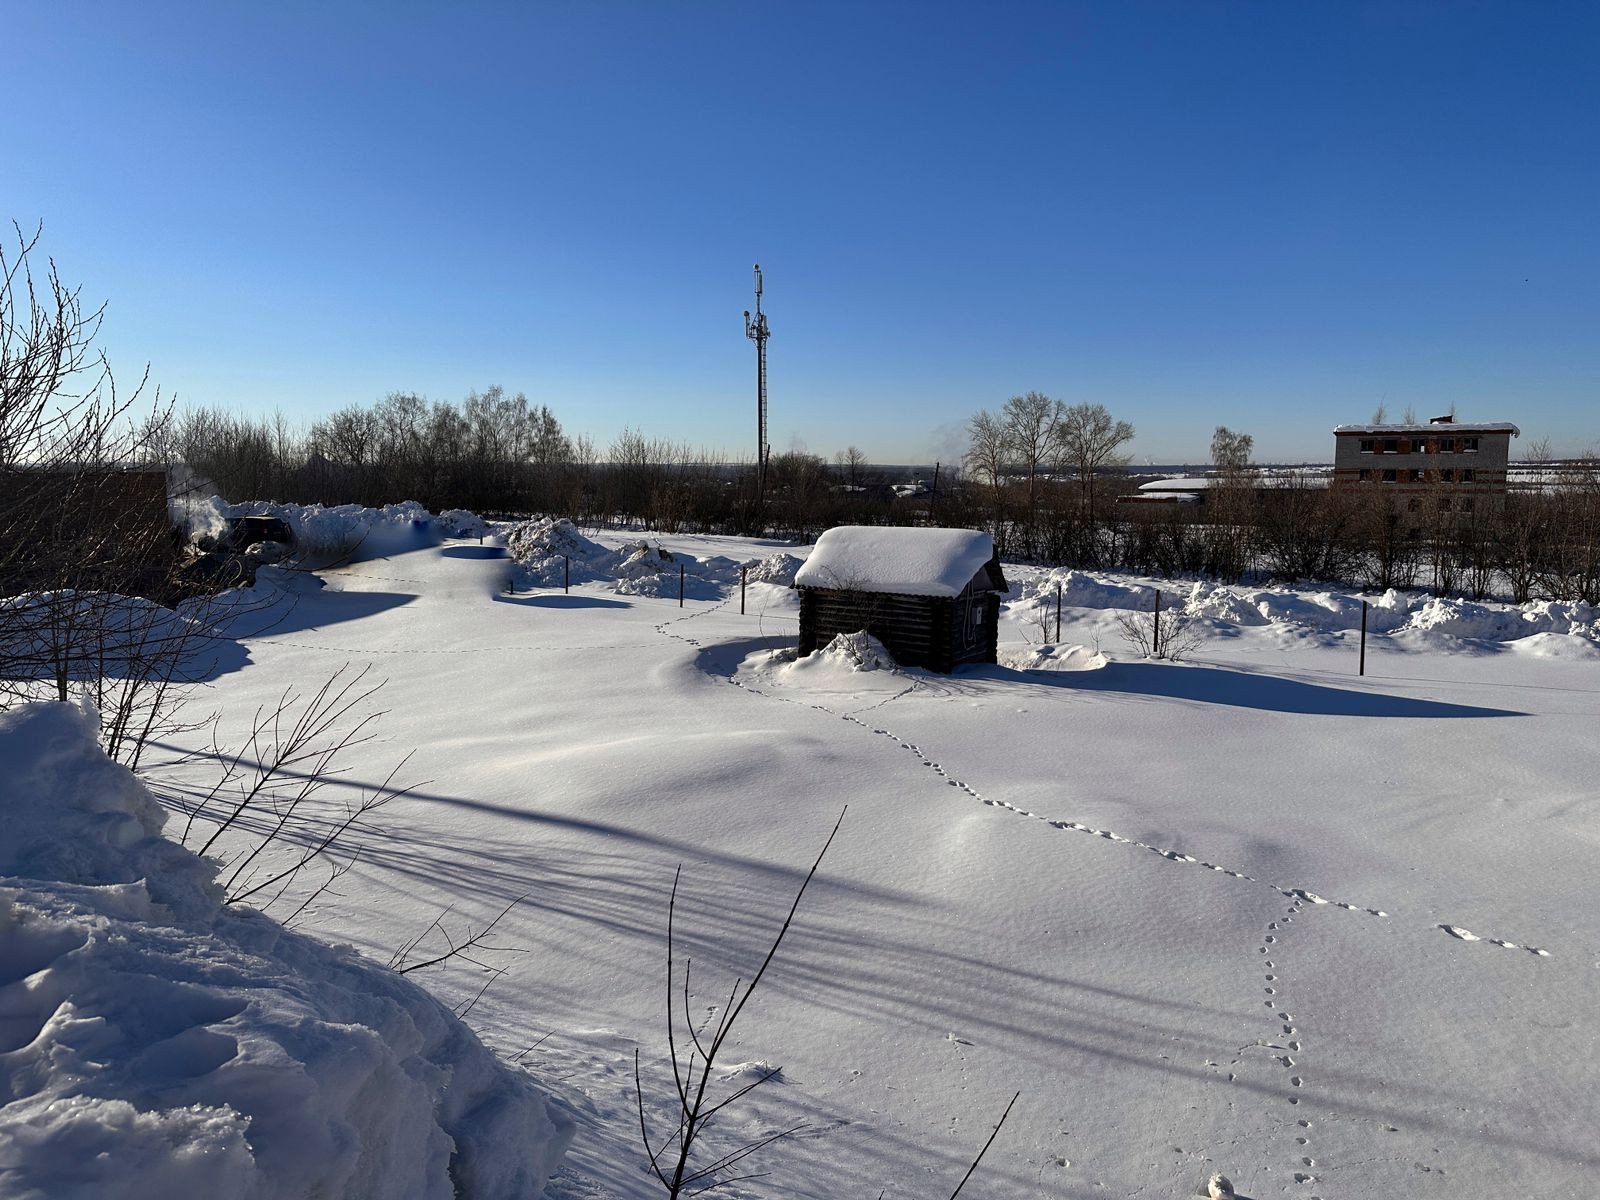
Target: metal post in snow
point(680, 585)
point(566, 573)
point(1058, 613)
point(1363, 668)
point(1155, 642)
point(742, 571)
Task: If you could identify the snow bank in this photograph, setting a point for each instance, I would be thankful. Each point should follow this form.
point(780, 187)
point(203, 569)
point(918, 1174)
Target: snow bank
point(341, 532)
point(1326, 612)
point(548, 547)
point(1053, 658)
point(93, 635)
point(156, 1044)
point(778, 568)
point(858, 651)
point(459, 523)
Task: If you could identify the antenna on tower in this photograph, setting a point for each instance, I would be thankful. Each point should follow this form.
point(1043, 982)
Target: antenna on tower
point(755, 328)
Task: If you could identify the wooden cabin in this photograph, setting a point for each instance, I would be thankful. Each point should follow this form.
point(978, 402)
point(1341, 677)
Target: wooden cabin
point(931, 596)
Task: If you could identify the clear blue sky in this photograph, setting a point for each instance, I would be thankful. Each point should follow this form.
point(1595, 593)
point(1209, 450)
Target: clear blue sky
point(1269, 215)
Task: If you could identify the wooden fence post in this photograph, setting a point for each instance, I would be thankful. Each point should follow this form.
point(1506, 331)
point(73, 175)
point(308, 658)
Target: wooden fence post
point(1155, 641)
point(1058, 612)
point(1363, 668)
point(680, 585)
point(742, 571)
point(566, 573)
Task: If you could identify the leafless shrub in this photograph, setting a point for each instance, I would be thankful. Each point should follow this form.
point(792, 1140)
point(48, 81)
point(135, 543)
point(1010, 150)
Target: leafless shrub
point(1171, 635)
point(260, 811)
point(693, 1059)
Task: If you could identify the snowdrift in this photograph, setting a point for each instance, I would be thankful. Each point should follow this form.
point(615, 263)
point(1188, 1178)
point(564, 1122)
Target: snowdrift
point(848, 652)
point(548, 548)
point(154, 1044)
point(1328, 612)
point(345, 531)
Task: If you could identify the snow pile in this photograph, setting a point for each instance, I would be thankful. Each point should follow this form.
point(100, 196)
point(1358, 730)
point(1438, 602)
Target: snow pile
point(778, 568)
point(1053, 658)
point(459, 523)
point(858, 651)
point(1326, 612)
point(341, 532)
point(543, 546)
point(90, 635)
point(154, 1043)
point(1079, 589)
point(909, 562)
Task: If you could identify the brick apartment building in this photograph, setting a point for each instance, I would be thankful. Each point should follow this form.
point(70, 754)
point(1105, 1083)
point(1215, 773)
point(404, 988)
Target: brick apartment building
point(1460, 465)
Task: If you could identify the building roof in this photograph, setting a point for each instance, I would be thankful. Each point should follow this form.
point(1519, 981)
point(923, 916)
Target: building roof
point(908, 562)
point(1442, 427)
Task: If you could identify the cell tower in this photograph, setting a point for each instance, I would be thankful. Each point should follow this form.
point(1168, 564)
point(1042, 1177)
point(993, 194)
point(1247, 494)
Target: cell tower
point(755, 328)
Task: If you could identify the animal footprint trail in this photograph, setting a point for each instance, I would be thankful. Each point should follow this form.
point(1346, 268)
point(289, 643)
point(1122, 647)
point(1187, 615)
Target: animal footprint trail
point(1273, 988)
point(1466, 935)
point(1301, 897)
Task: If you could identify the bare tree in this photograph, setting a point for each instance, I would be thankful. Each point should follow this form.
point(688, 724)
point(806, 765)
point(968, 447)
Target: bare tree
point(1090, 440)
point(1033, 424)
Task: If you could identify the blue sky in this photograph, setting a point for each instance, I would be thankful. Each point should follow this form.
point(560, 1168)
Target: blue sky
point(1266, 215)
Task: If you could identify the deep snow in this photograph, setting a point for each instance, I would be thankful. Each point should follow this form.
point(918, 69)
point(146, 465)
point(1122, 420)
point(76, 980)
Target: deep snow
point(154, 1044)
point(1334, 936)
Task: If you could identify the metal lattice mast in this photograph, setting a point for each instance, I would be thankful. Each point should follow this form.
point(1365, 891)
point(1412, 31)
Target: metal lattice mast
point(755, 328)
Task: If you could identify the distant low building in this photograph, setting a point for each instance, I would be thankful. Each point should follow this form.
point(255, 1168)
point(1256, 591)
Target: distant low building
point(1459, 466)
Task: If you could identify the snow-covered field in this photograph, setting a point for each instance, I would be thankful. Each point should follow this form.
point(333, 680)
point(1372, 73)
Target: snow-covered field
point(1334, 936)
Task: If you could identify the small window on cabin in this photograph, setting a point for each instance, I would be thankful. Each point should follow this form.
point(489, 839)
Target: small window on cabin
point(1468, 475)
point(977, 615)
point(1389, 476)
point(1469, 445)
point(1391, 445)
point(1369, 445)
point(1447, 445)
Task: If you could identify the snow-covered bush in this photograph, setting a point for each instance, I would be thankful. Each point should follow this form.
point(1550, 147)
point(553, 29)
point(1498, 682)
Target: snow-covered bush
point(154, 1043)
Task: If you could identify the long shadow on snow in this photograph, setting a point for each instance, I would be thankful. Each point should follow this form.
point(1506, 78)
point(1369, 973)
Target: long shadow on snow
point(1236, 689)
point(546, 600)
point(1204, 685)
point(473, 552)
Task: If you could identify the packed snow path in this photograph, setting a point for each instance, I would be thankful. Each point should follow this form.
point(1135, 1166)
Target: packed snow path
point(1252, 918)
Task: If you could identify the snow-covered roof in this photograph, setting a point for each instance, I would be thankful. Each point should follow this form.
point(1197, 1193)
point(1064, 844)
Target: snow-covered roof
point(1176, 497)
point(910, 562)
point(1444, 427)
point(1194, 483)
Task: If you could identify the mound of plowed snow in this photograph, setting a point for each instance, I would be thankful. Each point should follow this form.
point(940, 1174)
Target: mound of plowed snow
point(154, 1043)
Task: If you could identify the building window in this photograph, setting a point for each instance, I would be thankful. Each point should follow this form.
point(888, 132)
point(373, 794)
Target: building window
point(1448, 475)
point(1469, 445)
point(1414, 504)
point(1444, 504)
point(1391, 445)
point(1468, 475)
point(1369, 445)
point(1417, 475)
point(1366, 475)
point(1447, 445)
point(1389, 476)
point(1466, 504)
